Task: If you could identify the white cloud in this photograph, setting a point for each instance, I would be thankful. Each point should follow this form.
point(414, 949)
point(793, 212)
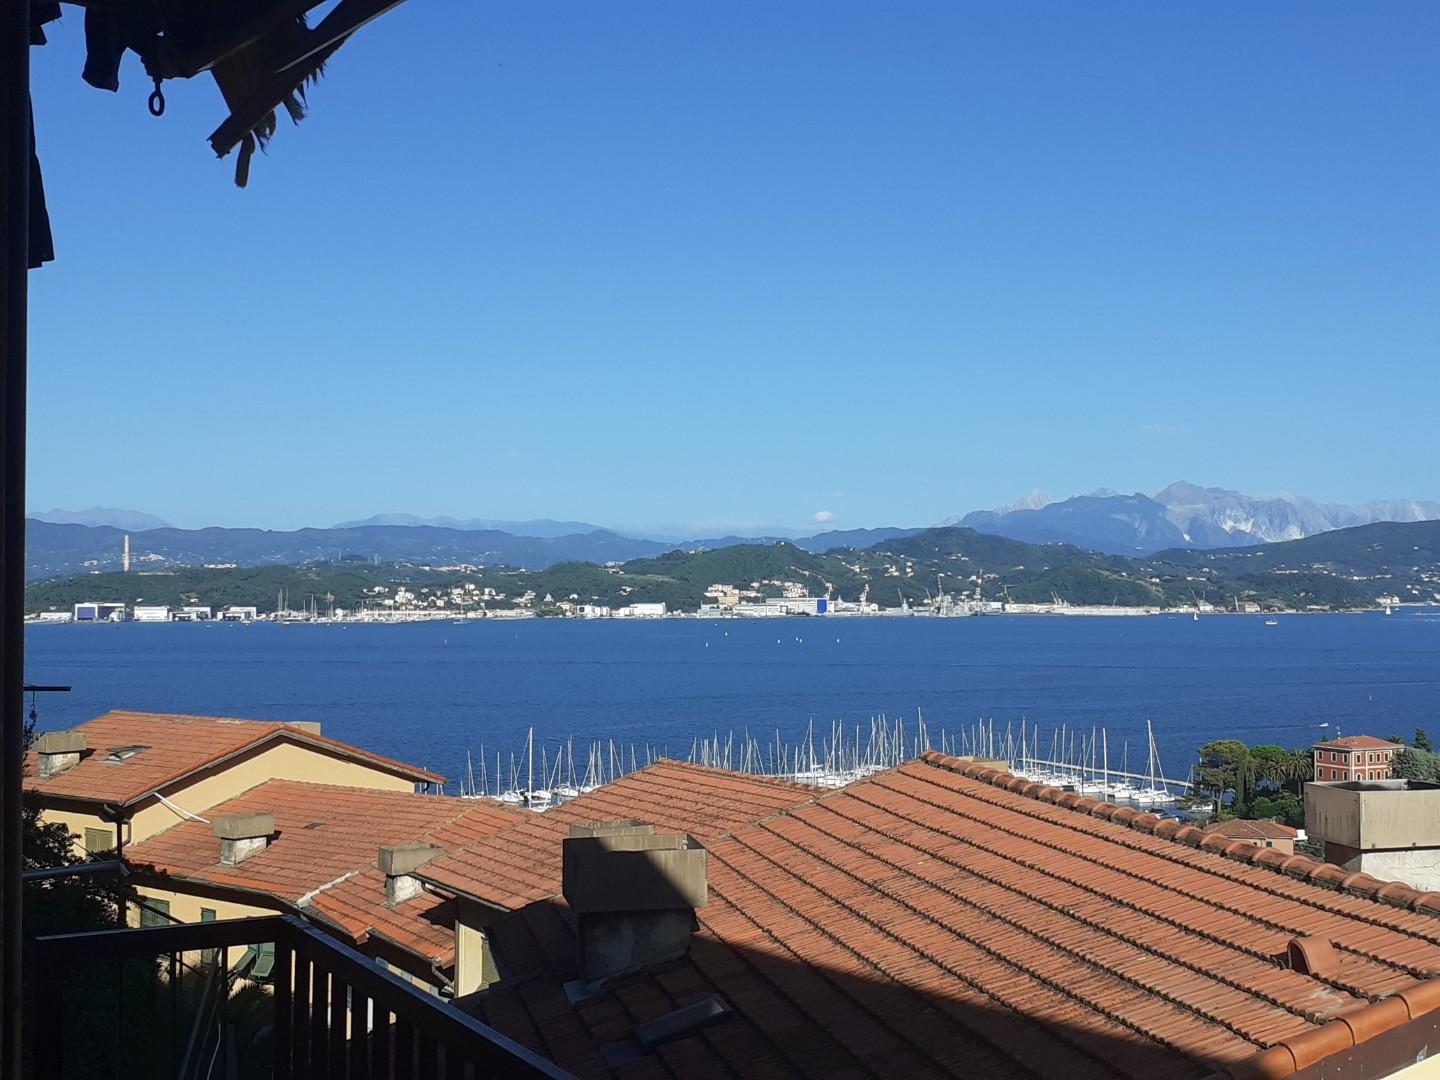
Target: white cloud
point(822, 516)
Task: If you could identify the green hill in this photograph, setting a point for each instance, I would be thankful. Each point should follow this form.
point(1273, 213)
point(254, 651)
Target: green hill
point(1345, 569)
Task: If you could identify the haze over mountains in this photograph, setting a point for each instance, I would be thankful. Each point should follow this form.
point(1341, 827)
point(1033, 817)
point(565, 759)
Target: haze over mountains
point(1181, 515)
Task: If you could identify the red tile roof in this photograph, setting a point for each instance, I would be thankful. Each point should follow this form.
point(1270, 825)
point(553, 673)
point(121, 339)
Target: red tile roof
point(323, 857)
point(175, 747)
point(1357, 742)
point(1246, 829)
point(944, 919)
point(522, 864)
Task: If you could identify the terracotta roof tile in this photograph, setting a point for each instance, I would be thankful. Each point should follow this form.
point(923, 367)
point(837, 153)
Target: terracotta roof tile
point(323, 857)
point(1357, 742)
point(522, 864)
point(174, 746)
point(932, 922)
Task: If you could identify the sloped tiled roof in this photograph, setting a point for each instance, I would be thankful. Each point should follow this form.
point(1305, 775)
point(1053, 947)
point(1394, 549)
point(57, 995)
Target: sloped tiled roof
point(944, 919)
point(1244, 828)
point(1357, 742)
point(176, 746)
point(522, 864)
point(323, 856)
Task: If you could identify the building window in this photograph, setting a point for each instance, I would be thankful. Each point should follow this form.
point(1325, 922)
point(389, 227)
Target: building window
point(98, 840)
point(154, 912)
point(258, 961)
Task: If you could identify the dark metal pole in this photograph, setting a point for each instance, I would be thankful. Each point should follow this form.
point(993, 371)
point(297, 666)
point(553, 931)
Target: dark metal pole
point(14, 262)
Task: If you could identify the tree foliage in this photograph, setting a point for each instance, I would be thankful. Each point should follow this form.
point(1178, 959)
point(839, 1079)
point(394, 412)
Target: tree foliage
point(1413, 763)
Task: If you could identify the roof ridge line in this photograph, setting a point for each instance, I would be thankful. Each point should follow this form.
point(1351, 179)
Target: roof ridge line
point(1313, 871)
point(305, 900)
point(774, 781)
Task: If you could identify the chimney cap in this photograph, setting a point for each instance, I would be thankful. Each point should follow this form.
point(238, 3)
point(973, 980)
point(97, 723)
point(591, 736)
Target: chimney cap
point(61, 742)
point(397, 860)
point(613, 828)
point(243, 826)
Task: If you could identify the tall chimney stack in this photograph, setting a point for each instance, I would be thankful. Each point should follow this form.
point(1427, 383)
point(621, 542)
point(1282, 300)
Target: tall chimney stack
point(242, 835)
point(634, 893)
point(125, 555)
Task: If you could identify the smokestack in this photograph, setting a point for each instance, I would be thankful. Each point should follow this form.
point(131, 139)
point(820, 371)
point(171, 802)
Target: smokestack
point(242, 835)
point(58, 751)
point(634, 893)
point(125, 555)
point(398, 862)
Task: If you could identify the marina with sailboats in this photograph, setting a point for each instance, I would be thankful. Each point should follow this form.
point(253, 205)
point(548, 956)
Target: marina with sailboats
point(537, 778)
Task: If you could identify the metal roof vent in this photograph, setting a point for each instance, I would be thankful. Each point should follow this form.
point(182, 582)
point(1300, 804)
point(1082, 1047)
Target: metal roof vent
point(1311, 956)
point(685, 1020)
point(115, 755)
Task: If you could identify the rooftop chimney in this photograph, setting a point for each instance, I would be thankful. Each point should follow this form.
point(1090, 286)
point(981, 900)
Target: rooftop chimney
point(634, 893)
point(242, 835)
point(398, 862)
point(58, 751)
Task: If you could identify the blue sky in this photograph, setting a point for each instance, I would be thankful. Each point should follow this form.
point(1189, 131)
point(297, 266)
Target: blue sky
point(689, 266)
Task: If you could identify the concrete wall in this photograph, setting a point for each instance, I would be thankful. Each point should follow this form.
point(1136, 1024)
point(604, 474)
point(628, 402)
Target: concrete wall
point(1373, 815)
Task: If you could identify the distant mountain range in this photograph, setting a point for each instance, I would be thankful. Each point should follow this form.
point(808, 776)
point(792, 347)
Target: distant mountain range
point(545, 528)
point(129, 520)
point(1181, 515)
point(57, 550)
point(1343, 569)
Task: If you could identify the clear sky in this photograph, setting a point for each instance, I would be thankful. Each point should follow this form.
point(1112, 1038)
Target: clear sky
point(737, 264)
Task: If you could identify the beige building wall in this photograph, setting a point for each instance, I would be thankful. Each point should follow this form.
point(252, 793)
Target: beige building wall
point(474, 962)
point(78, 821)
point(275, 761)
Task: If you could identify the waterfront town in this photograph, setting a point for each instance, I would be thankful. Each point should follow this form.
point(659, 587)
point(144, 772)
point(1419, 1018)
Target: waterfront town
point(467, 602)
point(688, 920)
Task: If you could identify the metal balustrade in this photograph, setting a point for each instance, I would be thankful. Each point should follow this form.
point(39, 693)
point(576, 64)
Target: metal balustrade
point(336, 1014)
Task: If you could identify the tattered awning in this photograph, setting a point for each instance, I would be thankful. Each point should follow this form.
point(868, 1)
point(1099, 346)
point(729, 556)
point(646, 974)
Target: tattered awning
point(261, 54)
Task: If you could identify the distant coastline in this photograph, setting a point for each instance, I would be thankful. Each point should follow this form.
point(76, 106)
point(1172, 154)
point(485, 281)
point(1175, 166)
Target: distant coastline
point(949, 571)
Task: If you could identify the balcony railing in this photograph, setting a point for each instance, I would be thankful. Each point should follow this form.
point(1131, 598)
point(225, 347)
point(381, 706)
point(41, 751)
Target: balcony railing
point(333, 1013)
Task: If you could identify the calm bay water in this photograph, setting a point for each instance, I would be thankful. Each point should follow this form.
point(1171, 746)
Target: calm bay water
point(427, 692)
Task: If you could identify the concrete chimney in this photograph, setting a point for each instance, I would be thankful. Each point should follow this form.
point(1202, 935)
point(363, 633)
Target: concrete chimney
point(634, 893)
point(58, 751)
point(398, 862)
point(242, 835)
